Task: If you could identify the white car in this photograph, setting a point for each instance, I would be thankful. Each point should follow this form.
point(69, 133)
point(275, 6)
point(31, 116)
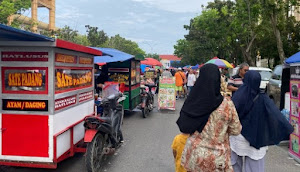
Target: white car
point(264, 72)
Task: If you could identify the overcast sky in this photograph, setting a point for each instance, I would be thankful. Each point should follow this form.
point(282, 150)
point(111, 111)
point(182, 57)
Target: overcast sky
point(155, 25)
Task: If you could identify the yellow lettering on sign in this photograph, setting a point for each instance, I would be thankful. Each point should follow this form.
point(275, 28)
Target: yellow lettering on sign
point(25, 79)
point(13, 104)
point(65, 58)
point(64, 80)
point(35, 105)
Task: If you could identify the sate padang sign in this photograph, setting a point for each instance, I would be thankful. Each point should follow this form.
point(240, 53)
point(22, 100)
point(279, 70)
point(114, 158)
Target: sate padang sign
point(72, 79)
point(25, 105)
point(28, 80)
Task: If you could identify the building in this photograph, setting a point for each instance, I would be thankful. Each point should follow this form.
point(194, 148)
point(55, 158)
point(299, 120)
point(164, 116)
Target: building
point(166, 60)
point(295, 11)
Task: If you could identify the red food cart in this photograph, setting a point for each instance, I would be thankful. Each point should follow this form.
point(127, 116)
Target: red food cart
point(46, 91)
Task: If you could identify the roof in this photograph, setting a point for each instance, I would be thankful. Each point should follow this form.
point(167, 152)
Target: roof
point(170, 57)
point(111, 55)
point(294, 58)
point(10, 34)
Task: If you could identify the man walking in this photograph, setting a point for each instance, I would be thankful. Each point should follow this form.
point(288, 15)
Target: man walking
point(237, 80)
point(180, 80)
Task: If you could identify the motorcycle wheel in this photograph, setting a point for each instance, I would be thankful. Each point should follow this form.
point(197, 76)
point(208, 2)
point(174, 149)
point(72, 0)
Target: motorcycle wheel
point(145, 111)
point(151, 103)
point(94, 154)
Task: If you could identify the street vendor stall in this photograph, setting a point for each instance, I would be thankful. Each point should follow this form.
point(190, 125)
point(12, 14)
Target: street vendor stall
point(294, 62)
point(46, 91)
point(124, 69)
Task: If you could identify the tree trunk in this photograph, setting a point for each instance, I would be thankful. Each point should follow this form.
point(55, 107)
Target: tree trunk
point(278, 37)
point(247, 57)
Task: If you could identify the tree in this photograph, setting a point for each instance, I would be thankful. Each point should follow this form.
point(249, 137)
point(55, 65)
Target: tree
point(95, 37)
point(82, 40)
point(67, 34)
point(124, 45)
point(10, 7)
point(155, 56)
point(276, 11)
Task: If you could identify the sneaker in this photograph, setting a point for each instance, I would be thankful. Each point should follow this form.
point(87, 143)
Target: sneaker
point(176, 98)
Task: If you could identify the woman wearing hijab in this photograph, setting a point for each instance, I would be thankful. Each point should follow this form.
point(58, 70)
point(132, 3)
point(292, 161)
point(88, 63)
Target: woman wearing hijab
point(210, 119)
point(262, 123)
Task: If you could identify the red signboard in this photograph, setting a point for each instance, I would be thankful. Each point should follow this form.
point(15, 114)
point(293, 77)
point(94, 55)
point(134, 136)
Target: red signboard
point(64, 58)
point(72, 78)
point(24, 56)
point(25, 80)
point(86, 96)
point(65, 102)
point(85, 60)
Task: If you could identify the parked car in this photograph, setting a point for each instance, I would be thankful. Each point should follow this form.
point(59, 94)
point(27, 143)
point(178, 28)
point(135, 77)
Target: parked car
point(274, 86)
point(265, 74)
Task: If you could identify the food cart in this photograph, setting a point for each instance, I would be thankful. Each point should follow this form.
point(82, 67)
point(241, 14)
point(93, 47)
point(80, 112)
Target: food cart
point(123, 68)
point(294, 96)
point(46, 91)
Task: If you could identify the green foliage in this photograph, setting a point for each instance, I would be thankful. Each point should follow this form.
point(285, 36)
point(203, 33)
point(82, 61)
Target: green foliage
point(124, 45)
point(95, 37)
point(237, 31)
point(155, 56)
point(10, 7)
point(67, 34)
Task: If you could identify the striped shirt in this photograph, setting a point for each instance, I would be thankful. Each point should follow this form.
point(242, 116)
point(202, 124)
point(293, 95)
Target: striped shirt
point(235, 81)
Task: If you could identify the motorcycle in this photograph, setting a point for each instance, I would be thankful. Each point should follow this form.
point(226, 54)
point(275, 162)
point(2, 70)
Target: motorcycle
point(103, 133)
point(147, 99)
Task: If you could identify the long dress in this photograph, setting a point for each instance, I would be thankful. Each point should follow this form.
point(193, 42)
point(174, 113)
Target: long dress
point(209, 150)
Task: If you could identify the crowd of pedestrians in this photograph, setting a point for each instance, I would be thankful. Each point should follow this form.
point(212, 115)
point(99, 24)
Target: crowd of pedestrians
point(225, 120)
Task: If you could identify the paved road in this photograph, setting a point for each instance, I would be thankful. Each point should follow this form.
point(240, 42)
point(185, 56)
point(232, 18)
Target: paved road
point(147, 148)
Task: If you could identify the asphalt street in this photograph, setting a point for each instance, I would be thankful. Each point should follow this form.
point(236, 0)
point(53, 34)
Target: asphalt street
point(147, 148)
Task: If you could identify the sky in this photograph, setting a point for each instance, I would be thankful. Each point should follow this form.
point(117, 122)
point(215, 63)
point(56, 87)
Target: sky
point(155, 25)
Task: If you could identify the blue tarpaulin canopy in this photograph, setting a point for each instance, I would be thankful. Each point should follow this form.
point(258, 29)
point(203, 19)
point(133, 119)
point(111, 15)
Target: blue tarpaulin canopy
point(195, 67)
point(294, 58)
point(111, 55)
point(12, 34)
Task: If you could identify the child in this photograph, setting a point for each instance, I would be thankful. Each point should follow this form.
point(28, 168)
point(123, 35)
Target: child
point(178, 146)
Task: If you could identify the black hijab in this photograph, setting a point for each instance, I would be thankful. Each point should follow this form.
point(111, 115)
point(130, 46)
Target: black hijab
point(204, 98)
point(262, 122)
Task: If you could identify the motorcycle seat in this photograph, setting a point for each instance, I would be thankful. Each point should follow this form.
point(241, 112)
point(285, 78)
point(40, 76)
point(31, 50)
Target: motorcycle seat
point(106, 119)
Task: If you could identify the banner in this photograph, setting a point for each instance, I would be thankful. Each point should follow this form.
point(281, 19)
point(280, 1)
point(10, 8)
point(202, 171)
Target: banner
point(166, 95)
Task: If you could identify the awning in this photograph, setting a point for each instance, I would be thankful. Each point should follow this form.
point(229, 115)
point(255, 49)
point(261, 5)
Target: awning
point(294, 58)
point(8, 33)
point(10, 36)
point(111, 55)
point(151, 61)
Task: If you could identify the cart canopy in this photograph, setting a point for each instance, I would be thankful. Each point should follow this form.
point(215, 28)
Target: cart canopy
point(111, 55)
point(294, 58)
point(10, 36)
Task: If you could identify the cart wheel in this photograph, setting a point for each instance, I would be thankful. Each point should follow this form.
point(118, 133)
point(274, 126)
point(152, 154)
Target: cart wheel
point(145, 111)
point(94, 154)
